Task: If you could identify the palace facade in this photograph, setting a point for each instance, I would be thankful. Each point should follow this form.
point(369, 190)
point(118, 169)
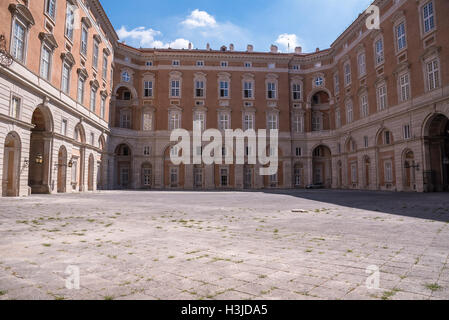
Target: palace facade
point(371, 112)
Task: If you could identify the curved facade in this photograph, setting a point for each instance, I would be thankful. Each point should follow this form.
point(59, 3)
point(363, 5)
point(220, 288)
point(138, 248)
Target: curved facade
point(370, 113)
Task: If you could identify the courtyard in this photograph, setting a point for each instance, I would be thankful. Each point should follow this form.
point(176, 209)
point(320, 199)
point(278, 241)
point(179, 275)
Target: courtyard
point(292, 244)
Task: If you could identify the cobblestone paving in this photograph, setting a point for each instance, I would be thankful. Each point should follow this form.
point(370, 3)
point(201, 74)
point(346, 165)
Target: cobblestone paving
point(184, 245)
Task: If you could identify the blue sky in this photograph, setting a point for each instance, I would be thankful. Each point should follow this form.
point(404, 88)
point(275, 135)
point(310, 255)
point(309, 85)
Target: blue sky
point(306, 23)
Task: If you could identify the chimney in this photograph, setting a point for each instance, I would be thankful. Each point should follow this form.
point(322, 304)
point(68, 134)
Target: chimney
point(231, 47)
point(208, 46)
point(223, 48)
point(317, 49)
point(298, 50)
point(250, 48)
point(274, 49)
point(190, 46)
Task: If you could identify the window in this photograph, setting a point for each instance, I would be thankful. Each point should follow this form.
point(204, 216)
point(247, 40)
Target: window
point(50, 8)
point(125, 76)
point(382, 97)
point(272, 121)
point(362, 64)
point(354, 172)
point(200, 63)
point(224, 177)
point(175, 121)
point(248, 122)
point(428, 17)
point(337, 118)
point(147, 176)
point(298, 152)
point(92, 138)
point(404, 86)
point(364, 105)
point(199, 88)
point(96, 52)
point(174, 177)
point(224, 64)
point(224, 89)
point(400, 36)
point(224, 121)
point(201, 118)
point(379, 51)
point(147, 121)
point(93, 98)
point(319, 81)
point(65, 81)
point(296, 90)
point(64, 127)
point(271, 90)
point(175, 88)
point(347, 68)
point(125, 119)
point(336, 83)
point(407, 132)
point(18, 45)
point(349, 112)
point(146, 150)
point(81, 83)
point(148, 88)
point(271, 65)
point(433, 74)
point(84, 39)
point(248, 64)
point(45, 63)
point(69, 21)
point(387, 137)
point(103, 107)
point(126, 95)
point(248, 90)
point(295, 67)
point(149, 63)
point(15, 107)
point(366, 141)
point(105, 67)
point(175, 63)
point(388, 171)
point(316, 121)
point(298, 124)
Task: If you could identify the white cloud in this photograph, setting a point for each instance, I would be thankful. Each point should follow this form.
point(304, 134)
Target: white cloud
point(288, 41)
point(142, 37)
point(199, 19)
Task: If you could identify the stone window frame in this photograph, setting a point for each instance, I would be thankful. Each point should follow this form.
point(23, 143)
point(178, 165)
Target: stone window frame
point(272, 78)
point(363, 93)
point(224, 77)
point(297, 81)
point(338, 122)
point(347, 75)
point(200, 77)
point(252, 114)
point(399, 75)
point(12, 112)
point(44, 46)
point(349, 103)
point(376, 39)
point(361, 52)
point(17, 18)
point(317, 115)
point(67, 60)
point(200, 111)
point(71, 5)
point(336, 79)
point(431, 54)
point(300, 116)
point(249, 78)
point(227, 113)
point(148, 77)
point(397, 21)
point(151, 112)
point(379, 84)
point(271, 113)
point(421, 5)
point(171, 112)
point(174, 76)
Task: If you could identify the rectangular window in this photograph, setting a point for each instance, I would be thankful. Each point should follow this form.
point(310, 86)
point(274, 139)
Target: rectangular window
point(404, 84)
point(362, 64)
point(298, 152)
point(224, 89)
point(272, 122)
point(200, 63)
point(15, 107)
point(200, 117)
point(93, 98)
point(366, 141)
point(224, 64)
point(45, 63)
point(65, 83)
point(175, 121)
point(248, 64)
point(271, 90)
point(224, 122)
point(64, 127)
point(224, 177)
point(296, 91)
point(84, 39)
point(407, 132)
point(353, 172)
point(248, 123)
point(347, 74)
point(103, 107)
point(364, 105)
point(175, 63)
point(125, 120)
point(18, 46)
point(400, 36)
point(349, 112)
point(69, 21)
point(388, 172)
point(298, 124)
point(50, 8)
point(147, 177)
point(146, 150)
point(147, 121)
point(80, 97)
point(387, 137)
point(174, 177)
point(148, 89)
point(336, 83)
point(433, 74)
point(379, 46)
point(175, 88)
point(338, 118)
point(105, 67)
point(382, 97)
point(316, 121)
point(428, 17)
point(247, 89)
point(96, 52)
point(199, 89)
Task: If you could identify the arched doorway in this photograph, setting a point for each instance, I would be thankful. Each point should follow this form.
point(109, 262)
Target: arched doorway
point(147, 175)
point(62, 170)
point(320, 116)
point(90, 173)
point(436, 136)
point(40, 149)
point(11, 165)
point(123, 158)
point(322, 166)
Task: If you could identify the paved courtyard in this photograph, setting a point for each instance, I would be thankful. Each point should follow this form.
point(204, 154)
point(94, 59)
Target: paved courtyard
point(225, 245)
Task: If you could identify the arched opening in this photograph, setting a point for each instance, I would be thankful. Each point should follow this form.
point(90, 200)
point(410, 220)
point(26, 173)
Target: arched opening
point(147, 175)
point(320, 111)
point(11, 165)
point(410, 167)
point(122, 111)
point(322, 166)
point(124, 94)
point(298, 175)
point(62, 170)
point(90, 173)
point(40, 149)
point(436, 135)
point(123, 158)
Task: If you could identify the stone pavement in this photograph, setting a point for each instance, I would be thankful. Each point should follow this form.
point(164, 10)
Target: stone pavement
point(225, 245)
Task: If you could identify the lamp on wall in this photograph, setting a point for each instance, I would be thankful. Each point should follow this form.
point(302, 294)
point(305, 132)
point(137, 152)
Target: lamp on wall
point(39, 159)
point(70, 164)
